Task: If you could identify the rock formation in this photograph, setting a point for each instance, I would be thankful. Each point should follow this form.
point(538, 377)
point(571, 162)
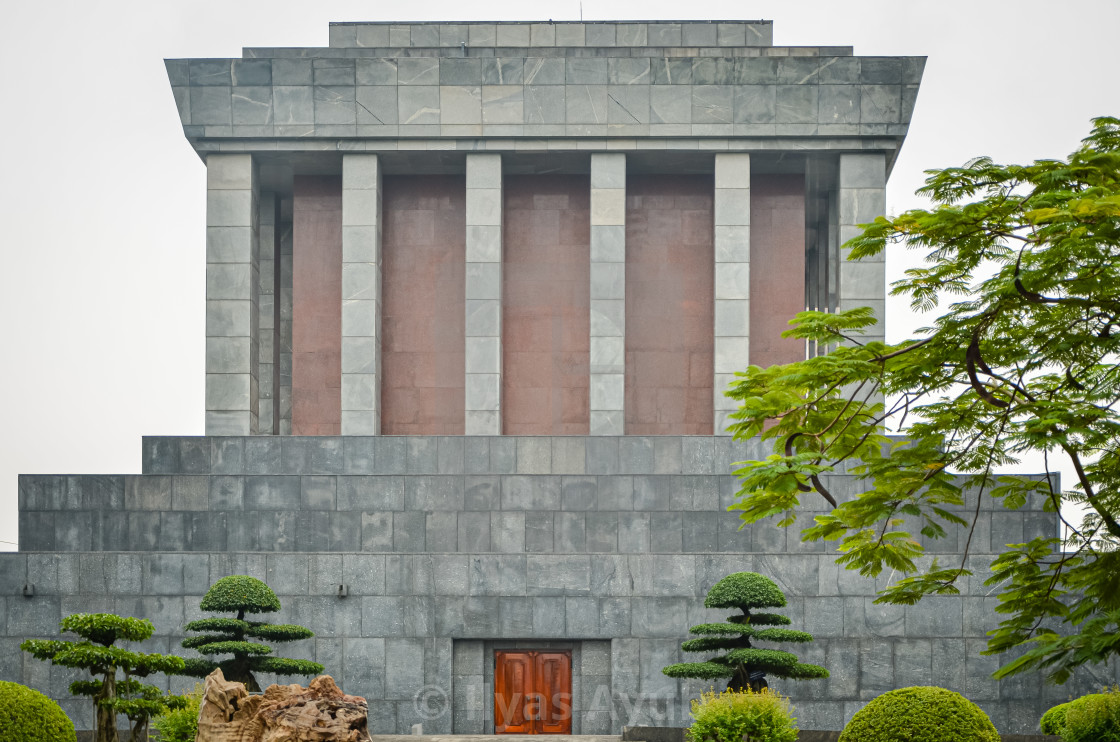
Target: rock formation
point(285, 713)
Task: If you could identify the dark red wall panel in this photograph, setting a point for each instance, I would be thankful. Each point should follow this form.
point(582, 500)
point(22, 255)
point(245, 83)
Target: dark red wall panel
point(545, 305)
point(423, 260)
point(777, 266)
point(669, 309)
point(316, 305)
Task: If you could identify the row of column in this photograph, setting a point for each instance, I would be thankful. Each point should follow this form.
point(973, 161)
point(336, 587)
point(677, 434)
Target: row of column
point(238, 247)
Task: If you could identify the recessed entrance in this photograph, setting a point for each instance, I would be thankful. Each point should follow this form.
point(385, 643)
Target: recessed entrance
point(532, 692)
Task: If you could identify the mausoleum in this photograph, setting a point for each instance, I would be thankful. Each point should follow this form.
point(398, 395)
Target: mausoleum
point(474, 292)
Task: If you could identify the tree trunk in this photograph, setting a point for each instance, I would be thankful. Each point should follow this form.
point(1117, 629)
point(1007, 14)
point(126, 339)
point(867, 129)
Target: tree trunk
point(106, 717)
point(140, 730)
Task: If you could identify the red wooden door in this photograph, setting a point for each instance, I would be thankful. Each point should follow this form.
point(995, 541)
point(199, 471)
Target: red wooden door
point(532, 692)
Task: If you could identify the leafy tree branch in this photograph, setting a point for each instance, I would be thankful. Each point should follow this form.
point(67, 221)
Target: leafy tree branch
point(1021, 280)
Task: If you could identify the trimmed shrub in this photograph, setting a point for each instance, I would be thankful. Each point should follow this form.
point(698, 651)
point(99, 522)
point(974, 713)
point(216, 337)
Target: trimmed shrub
point(26, 715)
point(1054, 720)
point(181, 724)
point(1093, 718)
point(734, 716)
point(920, 713)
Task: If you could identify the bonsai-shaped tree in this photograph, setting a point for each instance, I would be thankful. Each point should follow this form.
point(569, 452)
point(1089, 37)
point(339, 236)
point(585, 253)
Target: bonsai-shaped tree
point(97, 653)
point(745, 664)
point(243, 594)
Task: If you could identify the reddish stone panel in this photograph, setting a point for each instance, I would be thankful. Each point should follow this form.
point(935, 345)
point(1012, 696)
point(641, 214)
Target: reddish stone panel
point(777, 267)
point(669, 305)
point(423, 263)
point(545, 305)
point(316, 305)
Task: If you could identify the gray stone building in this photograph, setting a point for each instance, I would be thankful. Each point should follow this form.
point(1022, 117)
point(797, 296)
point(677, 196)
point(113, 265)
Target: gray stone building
point(473, 294)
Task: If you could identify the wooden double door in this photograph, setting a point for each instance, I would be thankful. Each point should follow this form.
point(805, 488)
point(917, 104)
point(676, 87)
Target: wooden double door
point(532, 692)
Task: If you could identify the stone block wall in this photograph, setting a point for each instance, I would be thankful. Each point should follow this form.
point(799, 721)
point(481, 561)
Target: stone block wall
point(601, 543)
point(618, 80)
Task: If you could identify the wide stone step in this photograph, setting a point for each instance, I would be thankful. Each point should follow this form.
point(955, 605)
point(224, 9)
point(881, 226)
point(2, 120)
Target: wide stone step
point(493, 737)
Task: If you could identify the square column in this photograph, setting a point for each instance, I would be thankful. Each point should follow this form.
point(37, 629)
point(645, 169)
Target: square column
point(268, 378)
point(232, 294)
point(483, 364)
point(361, 295)
point(608, 292)
point(284, 299)
point(732, 279)
point(863, 182)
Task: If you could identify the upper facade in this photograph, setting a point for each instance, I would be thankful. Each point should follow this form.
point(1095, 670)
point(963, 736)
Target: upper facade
point(527, 228)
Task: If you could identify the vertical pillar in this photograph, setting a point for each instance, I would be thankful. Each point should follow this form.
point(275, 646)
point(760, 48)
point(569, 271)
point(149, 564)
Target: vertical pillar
point(863, 179)
point(732, 279)
point(284, 321)
point(268, 376)
point(483, 364)
point(232, 285)
point(608, 290)
point(361, 295)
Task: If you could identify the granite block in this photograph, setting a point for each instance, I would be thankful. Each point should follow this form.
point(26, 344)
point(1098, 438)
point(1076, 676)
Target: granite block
point(377, 531)
point(549, 617)
point(409, 529)
point(552, 575)
point(376, 105)
point(515, 616)
point(878, 104)
point(545, 71)
point(482, 493)
point(497, 575)
point(376, 71)
point(418, 105)
point(540, 529)
point(502, 71)
point(227, 455)
point(507, 532)
point(160, 455)
point(669, 71)
point(633, 533)
point(571, 533)
point(460, 71)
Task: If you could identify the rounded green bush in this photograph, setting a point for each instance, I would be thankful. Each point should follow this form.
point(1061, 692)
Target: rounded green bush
point(240, 593)
point(1093, 718)
point(26, 715)
point(1054, 720)
point(748, 589)
point(920, 713)
point(732, 716)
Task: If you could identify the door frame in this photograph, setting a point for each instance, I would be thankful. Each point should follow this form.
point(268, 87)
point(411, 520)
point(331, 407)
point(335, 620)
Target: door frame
point(473, 685)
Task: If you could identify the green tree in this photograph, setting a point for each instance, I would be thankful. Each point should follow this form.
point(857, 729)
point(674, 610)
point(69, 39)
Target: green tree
point(97, 653)
point(1023, 360)
point(241, 594)
point(738, 658)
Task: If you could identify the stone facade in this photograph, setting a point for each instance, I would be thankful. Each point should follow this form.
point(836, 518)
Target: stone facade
point(452, 546)
point(415, 557)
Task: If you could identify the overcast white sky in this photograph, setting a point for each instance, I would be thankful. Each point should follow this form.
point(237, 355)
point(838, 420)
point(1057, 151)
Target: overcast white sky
point(102, 199)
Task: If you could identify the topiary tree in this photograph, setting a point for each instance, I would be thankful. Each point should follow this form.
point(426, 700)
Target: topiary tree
point(242, 594)
point(26, 715)
point(1093, 718)
point(745, 664)
point(97, 653)
point(1054, 720)
point(920, 713)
